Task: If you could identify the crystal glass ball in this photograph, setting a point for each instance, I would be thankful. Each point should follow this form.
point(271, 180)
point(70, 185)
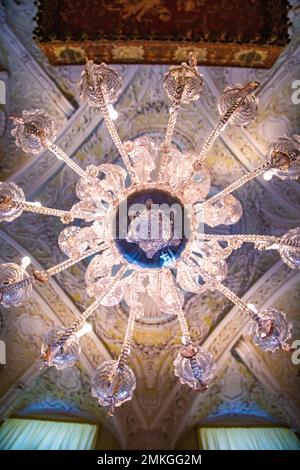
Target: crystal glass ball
point(274, 331)
point(68, 241)
point(34, 131)
point(195, 371)
point(60, 356)
point(99, 75)
point(112, 386)
point(11, 273)
point(11, 199)
point(284, 156)
point(227, 211)
point(291, 254)
point(192, 79)
point(151, 228)
point(218, 269)
point(246, 111)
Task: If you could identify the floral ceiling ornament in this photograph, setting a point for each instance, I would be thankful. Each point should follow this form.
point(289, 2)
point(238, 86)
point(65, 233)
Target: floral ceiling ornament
point(144, 226)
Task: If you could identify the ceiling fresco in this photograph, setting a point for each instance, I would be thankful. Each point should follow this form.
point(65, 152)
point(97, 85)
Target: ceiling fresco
point(247, 382)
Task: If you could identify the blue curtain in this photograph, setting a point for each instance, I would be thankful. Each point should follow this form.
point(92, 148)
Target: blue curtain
point(248, 439)
point(31, 434)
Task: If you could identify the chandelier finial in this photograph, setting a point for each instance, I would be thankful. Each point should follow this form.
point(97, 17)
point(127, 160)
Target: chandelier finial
point(192, 59)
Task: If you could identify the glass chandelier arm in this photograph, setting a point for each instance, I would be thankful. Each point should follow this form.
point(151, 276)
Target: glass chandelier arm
point(238, 302)
point(244, 238)
point(224, 121)
point(260, 241)
point(165, 147)
point(65, 216)
point(61, 155)
point(174, 110)
point(44, 276)
point(126, 347)
point(186, 337)
point(78, 323)
point(9, 202)
point(237, 184)
point(8, 288)
point(161, 167)
point(216, 285)
point(88, 312)
point(113, 131)
point(219, 128)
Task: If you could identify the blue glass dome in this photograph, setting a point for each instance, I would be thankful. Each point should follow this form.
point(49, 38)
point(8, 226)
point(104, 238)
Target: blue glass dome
point(152, 228)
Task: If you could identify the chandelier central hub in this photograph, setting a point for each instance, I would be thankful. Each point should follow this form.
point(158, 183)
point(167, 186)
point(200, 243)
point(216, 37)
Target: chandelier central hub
point(152, 228)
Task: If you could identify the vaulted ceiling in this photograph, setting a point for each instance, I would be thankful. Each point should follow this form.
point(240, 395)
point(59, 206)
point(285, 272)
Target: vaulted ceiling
point(247, 382)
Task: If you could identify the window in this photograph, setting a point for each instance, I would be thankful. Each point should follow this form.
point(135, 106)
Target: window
point(31, 434)
point(254, 438)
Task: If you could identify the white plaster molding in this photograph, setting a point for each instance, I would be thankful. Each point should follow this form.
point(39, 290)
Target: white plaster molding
point(32, 182)
point(266, 297)
point(238, 154)
point(52, 315)
point(216, 332)
point(35, 370)
point(260, 370)
point(280, 74)
point(9, 398)
point(59, 291)
point(9, 38)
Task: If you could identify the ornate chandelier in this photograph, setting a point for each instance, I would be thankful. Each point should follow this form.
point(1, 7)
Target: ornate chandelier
point(145, 224)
